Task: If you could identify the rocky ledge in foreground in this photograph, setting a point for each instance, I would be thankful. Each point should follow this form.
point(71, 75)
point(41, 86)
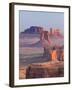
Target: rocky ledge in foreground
point(45, 70)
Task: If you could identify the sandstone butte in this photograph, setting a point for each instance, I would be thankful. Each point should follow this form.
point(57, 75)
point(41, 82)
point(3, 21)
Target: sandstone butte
point(42, 70)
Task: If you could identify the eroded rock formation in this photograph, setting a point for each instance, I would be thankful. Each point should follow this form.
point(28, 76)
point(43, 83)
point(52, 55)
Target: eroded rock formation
point(43, 70)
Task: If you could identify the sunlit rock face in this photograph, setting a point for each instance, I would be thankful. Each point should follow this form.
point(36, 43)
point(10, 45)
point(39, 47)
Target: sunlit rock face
point(45, 70)
point(42, 70)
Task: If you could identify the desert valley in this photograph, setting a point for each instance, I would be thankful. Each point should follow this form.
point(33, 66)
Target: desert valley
point(41, 53)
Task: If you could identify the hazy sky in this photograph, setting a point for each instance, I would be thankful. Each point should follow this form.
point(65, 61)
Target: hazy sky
point(40, 18)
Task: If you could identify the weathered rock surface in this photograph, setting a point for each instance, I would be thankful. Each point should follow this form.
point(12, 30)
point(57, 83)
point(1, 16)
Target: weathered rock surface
point(22, 73)
point(43, 70)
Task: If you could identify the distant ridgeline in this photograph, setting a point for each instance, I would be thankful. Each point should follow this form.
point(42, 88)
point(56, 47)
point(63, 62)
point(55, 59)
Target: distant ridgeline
point(38, 30)
point(33, 30)
point(50, 37)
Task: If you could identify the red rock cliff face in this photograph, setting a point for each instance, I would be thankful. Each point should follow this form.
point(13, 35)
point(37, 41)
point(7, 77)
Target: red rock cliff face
point(45, 70)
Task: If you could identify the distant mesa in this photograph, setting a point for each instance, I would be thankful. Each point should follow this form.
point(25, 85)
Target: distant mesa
point(33, 30)
point(52, 32)
point(49, 37)
point(38, 29)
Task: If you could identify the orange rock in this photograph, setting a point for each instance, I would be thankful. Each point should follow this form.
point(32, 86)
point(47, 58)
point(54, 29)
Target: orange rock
point(22, 73)
point(54, 55)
